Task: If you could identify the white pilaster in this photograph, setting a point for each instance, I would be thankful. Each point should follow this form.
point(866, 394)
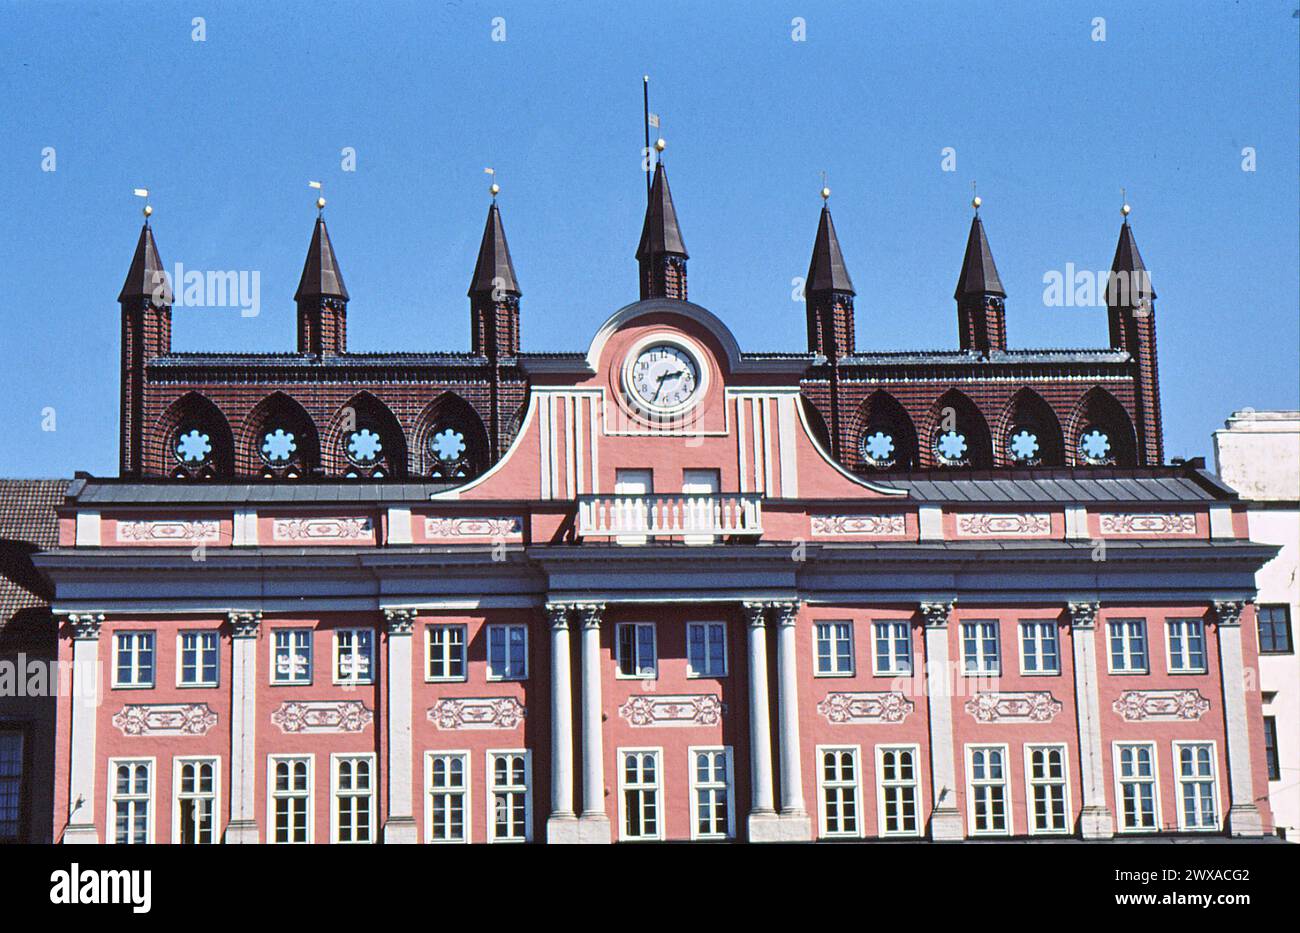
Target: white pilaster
point(562, 824)
point(400, 825)
point(1096, 821)
point(945, 820)
point(594, 823)
point(792, 802)
point(763, 821)
point(85, 706)
point(1244, 818)
point(244, 630)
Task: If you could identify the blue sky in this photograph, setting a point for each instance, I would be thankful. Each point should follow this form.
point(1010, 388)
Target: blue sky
point(227, 131)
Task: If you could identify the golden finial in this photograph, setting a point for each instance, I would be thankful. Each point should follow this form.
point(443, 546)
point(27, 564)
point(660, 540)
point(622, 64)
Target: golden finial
point(1124, 208)
point(660, 145)
point(826, 192)
point(494, 189)
point(320, 201)
point(144, 193)
point(975, 200)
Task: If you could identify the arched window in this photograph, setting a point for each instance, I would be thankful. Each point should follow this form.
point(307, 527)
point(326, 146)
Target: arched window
point(194, 438)
point(886, 438)
point(1031, 435)
point(1102, 431)
point(959, 435)
point(365, 441)
point(279, 440)
point(452, 442)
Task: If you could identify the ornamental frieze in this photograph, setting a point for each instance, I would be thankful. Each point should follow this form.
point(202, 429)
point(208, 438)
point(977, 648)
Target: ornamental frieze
point(997, 524)
point(478, 713)
point(1030, 706)
point(1156, 523)
point(1161, 705)
point(165, 719)
point(307, 716)
point(867, 525)
point(476, 527)
point(180, 532)
point(853, 708)
point(688, 710)
point(323, 529)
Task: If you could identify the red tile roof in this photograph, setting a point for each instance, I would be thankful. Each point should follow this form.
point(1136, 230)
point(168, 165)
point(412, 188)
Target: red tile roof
point(27, 524)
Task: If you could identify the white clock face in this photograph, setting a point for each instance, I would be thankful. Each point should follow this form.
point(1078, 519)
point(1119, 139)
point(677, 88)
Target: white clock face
point(664, 377)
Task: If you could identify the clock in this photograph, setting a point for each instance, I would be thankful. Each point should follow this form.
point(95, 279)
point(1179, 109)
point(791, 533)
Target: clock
point(663, 378)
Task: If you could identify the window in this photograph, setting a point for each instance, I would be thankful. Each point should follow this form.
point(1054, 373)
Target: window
point(510, 805)
point(1135, 773)
point(11, 785)
point(711, 803)
point(354, 654)
point(196, 814)
point(1270, 749)
point(198, 667)
point(1039, 653)
point(135, 657)
point(706, 649)
point(986, 772)
point(899, 790)
point(839, 791)
point(1197, 799)
point(291, 663)
point(1045, 777)
point(834, 649)
point(507, 652)
point(980, 648)
point(893, 644)
point(1128, 646)
point(354, 798)
point(130, 785)
point(636, 650)
point(1186, 646)
point(447, 808)
point(639, 787)
point(291, 799)
point(446, 644)
point(1275, 630)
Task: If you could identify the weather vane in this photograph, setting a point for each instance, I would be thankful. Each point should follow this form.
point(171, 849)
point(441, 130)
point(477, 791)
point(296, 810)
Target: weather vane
point(494, 189)
point(144, 193)
point(320, 201)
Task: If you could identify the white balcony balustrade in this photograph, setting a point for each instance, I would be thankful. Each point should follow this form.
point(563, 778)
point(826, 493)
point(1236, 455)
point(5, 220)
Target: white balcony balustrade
point(696, 518)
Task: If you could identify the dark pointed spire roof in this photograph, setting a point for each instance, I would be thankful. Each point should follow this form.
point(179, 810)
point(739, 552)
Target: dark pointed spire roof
point(979, 275)
point(494, 259)
point(145, 266)
point(827, 271)
point(660, 234)
point(1128, 259)
point(321, 277)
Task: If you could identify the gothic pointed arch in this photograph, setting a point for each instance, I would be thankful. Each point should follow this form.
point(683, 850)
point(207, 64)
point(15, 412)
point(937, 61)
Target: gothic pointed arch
point(1029, 433)
point(450, 440)
point(365, 440)
point(1101, 431)
point(279, 440)
point(956, 434)
point(883, 434)
point(192, 439)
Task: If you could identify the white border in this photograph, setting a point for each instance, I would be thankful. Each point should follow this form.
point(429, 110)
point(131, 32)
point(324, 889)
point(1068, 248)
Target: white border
point(997, 649)
point(917, 767)
point(528, 793)
point(674, 339)
point(1020, 646)
point(110, 817)
point(1120, 828)
point(859, 816)
point(464, 653)
point(467, 809)
point(135, 666)
point(875, 655)
point(487, 638)
point(1146, 644)
point(310, 758)
point(1009, 807)
point(691, 752)
point(335, 757)
point(618, 652)
point(1169, 653)
point(334, 666)
point(1214, 784)
point(661, 815)
point(180, 659)
point(1029, 789)
point(853, 651)
point(311, 655)
point(177, 762)
point(726, 646)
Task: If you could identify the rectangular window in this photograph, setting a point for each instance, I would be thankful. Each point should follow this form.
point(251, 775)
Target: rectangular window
point(135, 659)
point(839, 791)
point(198, 652)
point(834, 649)
point(711, 803)
point(1128, 646)
point(447, 812)
point(1039, 652)
point(354, 656)
point(197, 783)
point(510, 805)
point(1045, 778)
point(1270, 749)
point(893, 646)
point(291, 662)
point(899, 790)
point(507, 652)
point(636, 650)
point(11, 785)
point(130, 799)
point(1186, 646)
point(354, 798)
point(446, 645)
point(1135, 774)
point(986, 771)
point(1275, 630)
point(639, 784)
point(979, 642)
point(1198, 800)
point(706, 649)
point(291, 799)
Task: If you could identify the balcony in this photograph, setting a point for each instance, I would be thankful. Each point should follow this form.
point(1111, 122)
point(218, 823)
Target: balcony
point(696, 518)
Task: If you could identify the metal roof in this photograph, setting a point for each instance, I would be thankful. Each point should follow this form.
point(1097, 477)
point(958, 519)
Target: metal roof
point(114, 492)
point(1081, 486)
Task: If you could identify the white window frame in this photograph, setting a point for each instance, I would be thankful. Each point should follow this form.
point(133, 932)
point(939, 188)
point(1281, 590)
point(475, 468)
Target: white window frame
point(135, 683)
point(1031, 782)
point(881, 785)
point(1119, 786)
point(198, 666)
point(1128, 667)
point(1038, 625)
point(506, 627)
point(492, 755)
point(466, 804)
point(982, 668)
point(1213, 779)
point(657, 787)
point(447, 656)
point(353, 680)
point(855, 785)
point(1007, 800)
point(696, 786)
point(271, 797)
point(835, 670)
point(1184, 655)
point(640, 672)
point(890, 665)
point(336, 758)
point(178, 763)
point(708, 626)
point(150, 799)
point(291, 680)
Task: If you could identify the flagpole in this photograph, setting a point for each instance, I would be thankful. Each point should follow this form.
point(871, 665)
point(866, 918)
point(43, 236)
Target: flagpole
point(645, 99)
